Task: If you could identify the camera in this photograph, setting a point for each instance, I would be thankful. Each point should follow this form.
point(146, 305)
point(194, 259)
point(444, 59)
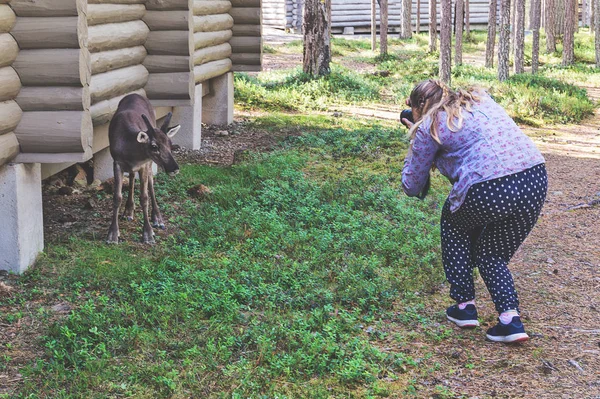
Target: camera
point(407, 114)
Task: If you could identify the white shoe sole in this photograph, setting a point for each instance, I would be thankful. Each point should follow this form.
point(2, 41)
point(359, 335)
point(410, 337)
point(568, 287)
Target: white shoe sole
point(464, 323)
point(520, 337)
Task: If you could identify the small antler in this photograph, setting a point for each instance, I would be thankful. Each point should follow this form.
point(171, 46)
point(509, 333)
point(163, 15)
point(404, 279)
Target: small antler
point(148, 124)
point(166, 122)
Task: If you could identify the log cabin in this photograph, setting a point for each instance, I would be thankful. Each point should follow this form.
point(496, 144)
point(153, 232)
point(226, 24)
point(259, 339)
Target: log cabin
point(66, 64)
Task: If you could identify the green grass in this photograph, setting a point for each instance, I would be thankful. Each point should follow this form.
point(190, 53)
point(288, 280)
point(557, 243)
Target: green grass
point(264, 290)
point(549, 97)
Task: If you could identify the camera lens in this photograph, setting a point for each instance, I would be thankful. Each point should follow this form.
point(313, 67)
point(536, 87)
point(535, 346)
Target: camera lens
point(407, 114)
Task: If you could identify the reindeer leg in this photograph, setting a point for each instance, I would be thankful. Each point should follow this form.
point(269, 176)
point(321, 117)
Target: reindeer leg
point(130, 205)
point(148, 234)
point(157, 220)
point(113, 231)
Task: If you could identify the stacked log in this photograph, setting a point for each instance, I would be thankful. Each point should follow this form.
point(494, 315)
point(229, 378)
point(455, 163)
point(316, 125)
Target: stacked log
point(287, 14)
point(246, 43)
point(116, 41)
point(169, 47)
point(10, 84)
point(53, 64)
point(213, 25)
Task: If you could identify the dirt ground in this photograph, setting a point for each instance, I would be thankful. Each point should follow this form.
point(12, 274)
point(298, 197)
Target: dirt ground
point(557, 272)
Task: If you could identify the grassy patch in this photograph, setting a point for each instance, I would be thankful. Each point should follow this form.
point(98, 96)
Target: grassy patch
point(367, 78)
point(267, 288)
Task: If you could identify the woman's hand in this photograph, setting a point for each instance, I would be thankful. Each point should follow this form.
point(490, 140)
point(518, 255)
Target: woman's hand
point(406, 123)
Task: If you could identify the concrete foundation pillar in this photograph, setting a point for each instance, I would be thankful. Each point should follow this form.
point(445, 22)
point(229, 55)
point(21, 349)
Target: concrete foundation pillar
point(103, 165)
point(217, 107)
point(190, 119)
point(22, 232)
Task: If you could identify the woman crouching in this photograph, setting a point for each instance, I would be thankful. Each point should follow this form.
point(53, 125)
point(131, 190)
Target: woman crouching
point(499, 186)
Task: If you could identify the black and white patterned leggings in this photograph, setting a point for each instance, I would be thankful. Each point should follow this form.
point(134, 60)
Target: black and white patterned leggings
point(486, 231)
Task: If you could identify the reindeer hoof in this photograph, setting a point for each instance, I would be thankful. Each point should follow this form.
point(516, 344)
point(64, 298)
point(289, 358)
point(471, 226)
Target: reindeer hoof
point(112, 241)
point(158, 225)
point(150, 242)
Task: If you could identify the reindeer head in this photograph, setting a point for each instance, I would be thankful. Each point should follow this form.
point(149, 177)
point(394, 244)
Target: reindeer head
point(157, 143)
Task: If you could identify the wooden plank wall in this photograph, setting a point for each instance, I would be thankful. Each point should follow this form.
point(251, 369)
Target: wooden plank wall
point(54, 68)
point(287, 14)
point(212, 27)
point(10, 84)
point(246, 43)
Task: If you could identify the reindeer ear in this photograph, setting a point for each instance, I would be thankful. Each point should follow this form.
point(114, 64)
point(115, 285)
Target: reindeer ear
point(173, 131)
point(165, 125)
point(148, 124)
point(143, 137)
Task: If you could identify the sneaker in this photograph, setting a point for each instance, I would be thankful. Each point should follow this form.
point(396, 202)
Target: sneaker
point(513, 332)
point(464, 318)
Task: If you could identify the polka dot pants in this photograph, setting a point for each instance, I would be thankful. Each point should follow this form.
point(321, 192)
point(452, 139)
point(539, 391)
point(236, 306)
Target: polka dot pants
point(486, 231)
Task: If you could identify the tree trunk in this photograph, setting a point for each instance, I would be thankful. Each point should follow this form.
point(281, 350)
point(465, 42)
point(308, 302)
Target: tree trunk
point(418, 24)
point(504, 40)
point(512, 26)
point(383, 27)
point(373, 25)
point(432, 26)
point(593, 8)
point(520, 36)
point(550, 25)
point(491, 35)
point(596, 19)
point(584, 13)
point(405, 19)
point(446, 41)
point(569, 35)
point(459, 15)
point(535, 27)
point(467, 18)
point(317, 34)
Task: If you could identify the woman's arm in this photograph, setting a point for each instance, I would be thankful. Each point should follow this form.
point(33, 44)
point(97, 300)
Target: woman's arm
point(418, 163)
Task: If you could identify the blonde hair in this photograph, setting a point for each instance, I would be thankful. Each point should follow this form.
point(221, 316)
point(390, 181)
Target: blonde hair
point(432, 96)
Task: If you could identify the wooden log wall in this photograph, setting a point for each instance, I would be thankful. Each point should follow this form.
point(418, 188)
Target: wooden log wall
point(53, 65)
point(169, 47)
point(10, 84)
point(116, 41)
point(66, 64)
point(287, 14)
point(246, 43)
point(213, 25)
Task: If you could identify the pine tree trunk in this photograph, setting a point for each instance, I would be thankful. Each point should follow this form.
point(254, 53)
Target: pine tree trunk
point(373, 25)
point(432, 26)
point(596, 18)
point(520, 36)
point(550, 25)
point(317, 34)
point(491, 35)
point(405, 19)
point(569, 35)
point(504, 40)
point(592, 16)
point(418, 25)
point(467, 19)
point(446, 41)
point(584, 13)
point(512, 26)
point(383, 27)
point(535, 27)
point(459, 15)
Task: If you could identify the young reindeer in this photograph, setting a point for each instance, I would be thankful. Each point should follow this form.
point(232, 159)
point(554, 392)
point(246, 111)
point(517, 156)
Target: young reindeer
point(134, 144)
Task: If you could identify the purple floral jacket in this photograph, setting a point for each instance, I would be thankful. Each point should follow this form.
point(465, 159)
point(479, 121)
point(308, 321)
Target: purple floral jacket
point(489, 145)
